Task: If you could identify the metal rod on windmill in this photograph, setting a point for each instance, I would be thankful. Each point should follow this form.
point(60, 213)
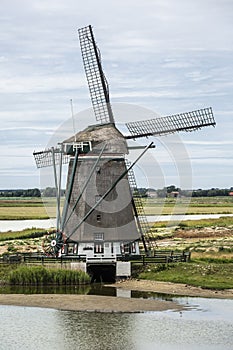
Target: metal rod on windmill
point(73, 121)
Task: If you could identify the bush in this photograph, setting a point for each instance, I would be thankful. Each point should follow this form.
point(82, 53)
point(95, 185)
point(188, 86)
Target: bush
point(27, 233)
point(39, 275)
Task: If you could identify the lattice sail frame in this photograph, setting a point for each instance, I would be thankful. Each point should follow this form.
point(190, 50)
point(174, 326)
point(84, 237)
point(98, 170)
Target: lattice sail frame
point(189, 121)
point(97, 82)
point(50, 157)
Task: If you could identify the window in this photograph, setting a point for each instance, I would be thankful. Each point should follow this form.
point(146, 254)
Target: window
point(98, 169)
point(98, 217)
point(75, 248)
point(127, 250)
point(98, 236)
point(133, 247)
point(99, 248)
point(97, 198)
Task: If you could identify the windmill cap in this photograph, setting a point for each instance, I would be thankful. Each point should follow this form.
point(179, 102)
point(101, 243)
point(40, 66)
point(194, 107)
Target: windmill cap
point(102, 133)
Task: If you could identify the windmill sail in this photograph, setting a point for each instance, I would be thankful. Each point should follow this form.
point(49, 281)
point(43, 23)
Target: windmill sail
point(50, 156)
point(189, 121)
point(97, 82)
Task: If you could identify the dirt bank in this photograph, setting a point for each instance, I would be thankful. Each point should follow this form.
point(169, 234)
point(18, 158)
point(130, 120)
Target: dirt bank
point(96, 303)
point(174, 289)
point(91, 303)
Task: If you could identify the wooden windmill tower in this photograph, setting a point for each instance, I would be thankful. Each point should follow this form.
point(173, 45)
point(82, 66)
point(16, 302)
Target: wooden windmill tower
point(101, 220)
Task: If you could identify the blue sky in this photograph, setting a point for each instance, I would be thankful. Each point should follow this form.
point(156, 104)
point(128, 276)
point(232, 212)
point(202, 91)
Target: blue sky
point(167, 56)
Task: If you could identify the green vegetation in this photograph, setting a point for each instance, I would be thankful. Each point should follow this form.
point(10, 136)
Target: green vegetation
point(209, 240)
point(27, 208)
point(5, 270)
point(220, 222)
point(181, 205)
point(24, 234)
point(32, 192)
point(199, 273)
point(24, 213)
point(21, 208)
point(39, 275)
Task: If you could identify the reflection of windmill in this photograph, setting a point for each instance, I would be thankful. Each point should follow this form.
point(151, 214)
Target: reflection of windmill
point(97, 221)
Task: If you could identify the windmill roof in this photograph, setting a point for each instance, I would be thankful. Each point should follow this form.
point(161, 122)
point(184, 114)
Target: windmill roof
point(101, 133)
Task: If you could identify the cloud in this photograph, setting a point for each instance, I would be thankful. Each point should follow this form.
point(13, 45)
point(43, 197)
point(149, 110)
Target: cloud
point(43, 84)
point(167, 56)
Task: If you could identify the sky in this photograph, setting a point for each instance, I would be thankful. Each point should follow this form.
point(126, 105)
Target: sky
point(159, 56)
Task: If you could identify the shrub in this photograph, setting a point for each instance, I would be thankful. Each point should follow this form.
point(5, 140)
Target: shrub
point(39, 275)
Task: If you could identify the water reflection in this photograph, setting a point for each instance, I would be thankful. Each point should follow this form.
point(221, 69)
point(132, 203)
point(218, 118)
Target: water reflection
point(29, 328)
point(99, 331)
point(92, 289)
point(82, 289)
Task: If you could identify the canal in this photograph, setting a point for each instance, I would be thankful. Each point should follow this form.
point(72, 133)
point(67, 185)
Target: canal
point(14, 225)
point(203, 324)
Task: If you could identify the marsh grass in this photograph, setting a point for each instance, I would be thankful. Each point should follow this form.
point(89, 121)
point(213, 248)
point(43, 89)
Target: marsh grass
point(220, 222)
point(27, 208)
point(200, 205)
point(39, 275)
point(199, 273)
point(24, 213)
point(43, 208)
point(24, 234)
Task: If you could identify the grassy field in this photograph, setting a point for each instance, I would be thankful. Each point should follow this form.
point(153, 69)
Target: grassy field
point(202, 205)
point(27, 208)
point(198, 273)
point(37, 208)
point(209, 240)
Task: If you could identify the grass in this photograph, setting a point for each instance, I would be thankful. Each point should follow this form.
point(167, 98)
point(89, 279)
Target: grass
point(44, 208)
point(212, 253)
point(39, 275)
point(5, 270)
point(199, 273)
point(201, 205)
point(220, 222)
point(24, 213)
point(24, 234)
point(27, 208)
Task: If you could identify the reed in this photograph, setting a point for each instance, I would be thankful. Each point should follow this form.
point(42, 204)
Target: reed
point(24, 234)
point(39, 275)
point(200, 273)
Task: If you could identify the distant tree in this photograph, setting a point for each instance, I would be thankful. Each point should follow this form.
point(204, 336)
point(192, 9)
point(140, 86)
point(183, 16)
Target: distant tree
point(161, 193)
point(34, 192)
point(142, 191)
point(172, 188)
point(49, 192)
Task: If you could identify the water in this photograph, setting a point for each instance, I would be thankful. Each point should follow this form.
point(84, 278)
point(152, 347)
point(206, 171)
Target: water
point(207, 324)
point(14, 225)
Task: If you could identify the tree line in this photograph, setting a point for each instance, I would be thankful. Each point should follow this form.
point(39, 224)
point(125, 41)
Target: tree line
point(32, 192)
point(176, 191)
point(171, 190)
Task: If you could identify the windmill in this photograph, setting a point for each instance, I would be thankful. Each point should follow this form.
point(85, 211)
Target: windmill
point(101, 220)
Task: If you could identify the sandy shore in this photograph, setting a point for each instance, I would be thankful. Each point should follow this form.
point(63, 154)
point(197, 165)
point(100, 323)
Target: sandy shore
point(91, 303)
point(174, 289)
point(96, 303)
